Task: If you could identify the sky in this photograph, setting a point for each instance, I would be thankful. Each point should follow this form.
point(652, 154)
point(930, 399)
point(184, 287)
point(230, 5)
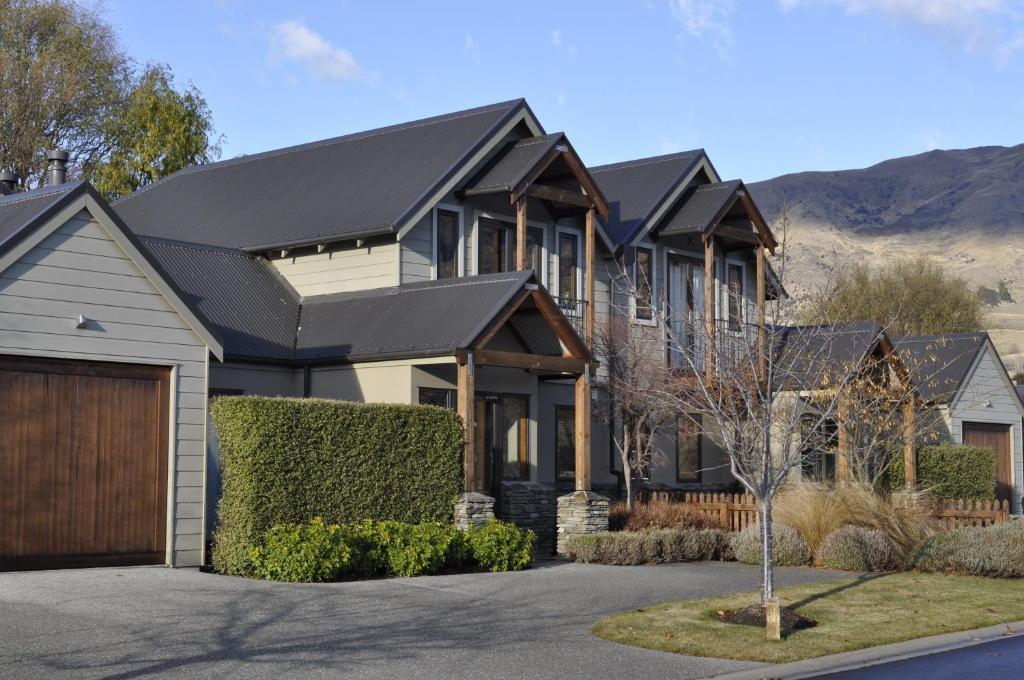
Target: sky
point(767, 87)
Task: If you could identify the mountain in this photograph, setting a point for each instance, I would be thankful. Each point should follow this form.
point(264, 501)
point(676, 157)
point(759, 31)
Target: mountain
point(963, 208)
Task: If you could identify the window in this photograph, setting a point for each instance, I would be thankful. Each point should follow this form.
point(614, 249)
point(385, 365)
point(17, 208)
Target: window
point(447, 232)
point(437, 396)
point(688, 453)
point(643, 276)
point(568, 265)
point(734, 284)
point(496, 239)
point(535, 250)
point(515, 433)
point(818, 462)
point(565, 445)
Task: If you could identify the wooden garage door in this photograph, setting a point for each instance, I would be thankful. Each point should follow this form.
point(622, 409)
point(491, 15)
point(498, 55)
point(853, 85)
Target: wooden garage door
point(83, 463)
point(995, 437)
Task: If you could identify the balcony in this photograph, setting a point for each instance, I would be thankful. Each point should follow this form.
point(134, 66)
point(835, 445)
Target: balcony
point(576, 312)
point(687, 340)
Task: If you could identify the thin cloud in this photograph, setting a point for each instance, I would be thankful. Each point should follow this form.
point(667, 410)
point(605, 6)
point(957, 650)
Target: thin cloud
point(709, 21)
point(294, 41)
point(556, 38)
point(472, 48)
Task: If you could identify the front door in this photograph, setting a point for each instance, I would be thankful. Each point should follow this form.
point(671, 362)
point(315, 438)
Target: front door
point(503, 434)
point(996, 437)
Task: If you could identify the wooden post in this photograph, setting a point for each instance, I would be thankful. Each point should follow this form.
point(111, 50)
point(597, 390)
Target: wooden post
point(842, 456)
point(710, 298)
point(773, 618)
point(465, 397)
point(760, 312)
point(909, 459)
point(521, 235)
point(583, 431)
point(589, 278)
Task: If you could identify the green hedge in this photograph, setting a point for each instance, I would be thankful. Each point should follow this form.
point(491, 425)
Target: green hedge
point(997, 551)
point(290, 460)
point(950, 471)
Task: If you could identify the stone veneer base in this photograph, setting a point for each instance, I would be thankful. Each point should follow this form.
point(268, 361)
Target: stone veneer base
point(580, 512)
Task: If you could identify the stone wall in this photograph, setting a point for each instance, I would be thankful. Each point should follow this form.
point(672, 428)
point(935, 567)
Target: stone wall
point(531, 505)
point(472, 510)
point(580, 512)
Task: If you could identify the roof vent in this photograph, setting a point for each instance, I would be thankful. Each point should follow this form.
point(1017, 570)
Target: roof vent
point(56, 167)
point(8, 182)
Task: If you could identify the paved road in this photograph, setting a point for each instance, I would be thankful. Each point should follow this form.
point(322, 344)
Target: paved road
point(999, 660)
point(163, 623)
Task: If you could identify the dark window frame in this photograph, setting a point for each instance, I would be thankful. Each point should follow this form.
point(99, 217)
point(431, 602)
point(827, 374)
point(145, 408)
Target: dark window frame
point(507, 231)
point(449, 397)
point(457, 243)
point(569, 412)
point(643, 307)
point(577, 266)
point(698, 474)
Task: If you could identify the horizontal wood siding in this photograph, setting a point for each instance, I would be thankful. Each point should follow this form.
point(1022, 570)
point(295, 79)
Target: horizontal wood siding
point(79, 269)
point(418, 251)
point(341, 271)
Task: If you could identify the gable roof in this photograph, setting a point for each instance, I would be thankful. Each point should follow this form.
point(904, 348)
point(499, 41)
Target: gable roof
point(353, 186)
point(702, 207)
point(514, 164)
point(939, 364)
point(637, 189)
point(27, 218)
point(808, 355)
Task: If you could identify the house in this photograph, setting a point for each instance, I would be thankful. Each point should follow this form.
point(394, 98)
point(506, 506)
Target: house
point(462, 260)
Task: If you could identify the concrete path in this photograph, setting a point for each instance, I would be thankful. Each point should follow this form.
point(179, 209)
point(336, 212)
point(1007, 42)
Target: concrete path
point(164, 623)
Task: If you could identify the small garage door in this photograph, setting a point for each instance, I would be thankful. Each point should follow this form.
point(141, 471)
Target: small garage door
point(995, 437)
point(83, 463)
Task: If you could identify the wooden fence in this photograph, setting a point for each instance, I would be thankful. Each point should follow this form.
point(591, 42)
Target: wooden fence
point(736, 511)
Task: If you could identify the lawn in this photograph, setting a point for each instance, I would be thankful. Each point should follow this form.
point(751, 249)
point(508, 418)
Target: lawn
point(852, 614)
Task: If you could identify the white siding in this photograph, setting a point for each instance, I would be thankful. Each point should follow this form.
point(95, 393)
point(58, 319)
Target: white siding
point(342, 270)
point(418, 251)
point(79, 269)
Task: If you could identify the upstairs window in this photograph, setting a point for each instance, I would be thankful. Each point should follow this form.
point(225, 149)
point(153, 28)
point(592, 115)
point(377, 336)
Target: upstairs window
point(447, 234)
point(688, 453)
point(496, 242)
point(643, 276)
point(734, 286)
point(535, 250)
point(568, 265)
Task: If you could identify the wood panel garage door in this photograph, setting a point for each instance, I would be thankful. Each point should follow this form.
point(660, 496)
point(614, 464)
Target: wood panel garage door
point(995, 437)
point(83, 463)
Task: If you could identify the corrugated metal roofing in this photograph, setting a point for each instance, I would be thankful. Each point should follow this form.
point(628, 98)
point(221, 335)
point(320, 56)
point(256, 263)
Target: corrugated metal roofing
point(19, 210)
point(344, 187)
point(939, 364)
point(809, 357)
point(700, 208)
point(635, 189)
point(512, 166)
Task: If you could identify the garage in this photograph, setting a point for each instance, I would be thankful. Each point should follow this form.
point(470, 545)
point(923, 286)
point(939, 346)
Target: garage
point(994, 436)
point(83, 462)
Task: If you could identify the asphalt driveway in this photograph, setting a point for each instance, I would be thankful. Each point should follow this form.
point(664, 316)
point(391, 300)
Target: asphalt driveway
point(151, 622)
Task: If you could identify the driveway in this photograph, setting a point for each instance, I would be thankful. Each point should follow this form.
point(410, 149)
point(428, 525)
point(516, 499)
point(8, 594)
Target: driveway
point(151, 622)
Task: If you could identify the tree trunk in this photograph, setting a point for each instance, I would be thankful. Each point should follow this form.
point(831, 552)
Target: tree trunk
point(767, 551)
point(628, 474)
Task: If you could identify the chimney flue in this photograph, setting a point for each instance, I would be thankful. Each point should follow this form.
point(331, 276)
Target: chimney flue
point(8, 182)
point(56, 166)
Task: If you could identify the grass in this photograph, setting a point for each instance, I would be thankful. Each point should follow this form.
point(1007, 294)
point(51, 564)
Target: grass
point(852, 614)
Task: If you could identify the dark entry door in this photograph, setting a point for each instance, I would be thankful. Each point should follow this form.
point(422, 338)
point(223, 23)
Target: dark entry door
point(995, 437)
point(503, 429)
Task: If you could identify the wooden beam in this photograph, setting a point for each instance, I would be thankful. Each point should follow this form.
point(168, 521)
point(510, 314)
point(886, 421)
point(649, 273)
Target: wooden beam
point(547, 193)
point(736, 233)
point(575, 345)
point(758, 219)
point(842, 455)
point(589, 278)
point(710, 298)
point(521, 234)
point(465, 397)
point(909, 456)
point(582, 434)
point(501, 319)
point(533, 362)
point(761, 344)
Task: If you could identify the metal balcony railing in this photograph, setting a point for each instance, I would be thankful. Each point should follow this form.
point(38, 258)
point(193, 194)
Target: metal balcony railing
point(575, 311)
point(686, 344)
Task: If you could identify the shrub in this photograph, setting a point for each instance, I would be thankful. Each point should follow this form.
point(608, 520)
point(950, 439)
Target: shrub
point(500, 546)
point(814, 510)
point(790, 550)
point(414, 549)
point(660, 515)
point(288, 460)
point(307, 553)
point(993, 551)
point(950, 471)
point(645, 547)
point(859, 549)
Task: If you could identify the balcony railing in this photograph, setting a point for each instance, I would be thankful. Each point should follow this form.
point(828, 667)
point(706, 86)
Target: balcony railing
point(575, 311)
point(686, 344)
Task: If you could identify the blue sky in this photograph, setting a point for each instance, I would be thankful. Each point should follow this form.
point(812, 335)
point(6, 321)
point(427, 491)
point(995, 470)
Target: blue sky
point(766, 86)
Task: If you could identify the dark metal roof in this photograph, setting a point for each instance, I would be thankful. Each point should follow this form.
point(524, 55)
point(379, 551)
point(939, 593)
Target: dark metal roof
point(939, 364)
point(513, 165)
point(23, 211)
point(432, 318)
point(347, 187)
point(255, 312)
point(701, 207)
point(809, 357)
point(635, 189)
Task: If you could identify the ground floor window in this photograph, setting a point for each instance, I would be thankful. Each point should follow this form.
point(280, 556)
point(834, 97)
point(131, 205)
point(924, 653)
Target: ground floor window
point(818, 462)
point(565, 444)
point(437, 396)
point(688, 449)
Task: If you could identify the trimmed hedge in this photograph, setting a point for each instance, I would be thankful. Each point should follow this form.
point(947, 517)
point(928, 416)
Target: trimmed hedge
point(285, 461)
point(997, 550)
point(950, 471)
point(853, 548)
point(645, 547)
point(789, 549)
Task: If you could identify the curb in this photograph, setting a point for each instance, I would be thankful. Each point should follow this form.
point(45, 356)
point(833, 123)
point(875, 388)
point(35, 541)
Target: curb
point(872, 656)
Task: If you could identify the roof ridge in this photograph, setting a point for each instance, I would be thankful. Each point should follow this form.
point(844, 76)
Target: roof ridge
point(479, 279)
point(363, 134)
point(650, 160)
point(31, 195)
point(191, 245)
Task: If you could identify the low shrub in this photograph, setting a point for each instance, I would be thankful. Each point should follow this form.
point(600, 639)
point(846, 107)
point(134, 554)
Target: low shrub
point(790, 549)
point(993, 551)
point(859, 549)
point(650, 515)
point(500, 546)
point(949, 471)
point(310, 552)
point(415, 549)
point(645, 547)
point(814, 510)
